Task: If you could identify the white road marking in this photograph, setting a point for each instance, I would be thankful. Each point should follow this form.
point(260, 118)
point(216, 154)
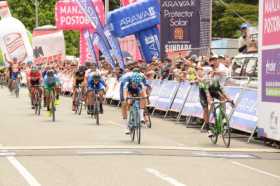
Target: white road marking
point(166, 178)
point(106, 152)
point(256, 170)
point(167, 147)
point(222, 155)
point(26, 175)
point(115, 123)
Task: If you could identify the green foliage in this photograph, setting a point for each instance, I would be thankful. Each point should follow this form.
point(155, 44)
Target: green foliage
point(226, 17)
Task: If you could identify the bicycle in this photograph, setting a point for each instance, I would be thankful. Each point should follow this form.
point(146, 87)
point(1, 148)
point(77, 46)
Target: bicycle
point(78, 102)
point(52, 104)
point(147, 115)
point(134, 119)
point(96, 107)
point(37, 102)
point(2, 80)
point(17, 87)
point(221, 122)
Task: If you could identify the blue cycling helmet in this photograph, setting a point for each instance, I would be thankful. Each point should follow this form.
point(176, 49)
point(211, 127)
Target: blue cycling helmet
point(136, 78)
point(244, 26)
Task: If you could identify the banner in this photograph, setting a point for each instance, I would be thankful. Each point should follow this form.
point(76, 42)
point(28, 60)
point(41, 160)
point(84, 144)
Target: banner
point(69, 16)
point(181, 96)
point(149, 43)
point(98, 40)
point(192, 106)
point(245, 115)
point(166, 95)
point(44, 48)
point(185, 25)
point(129, 45)
point(156, 85)
point(115, 45)
point(269, 69)
point(89, 8)
point(134, 18)
point(91, 48)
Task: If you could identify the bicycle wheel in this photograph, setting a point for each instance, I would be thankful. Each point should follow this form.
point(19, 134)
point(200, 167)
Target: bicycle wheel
point(17, 89)
point(53, 107)
point(80, 107)
point(131, 125)
point(226, 133)
point(138, 127)
point(214, 137)
point(149, 118)
point(96, 111)
point(35, 102)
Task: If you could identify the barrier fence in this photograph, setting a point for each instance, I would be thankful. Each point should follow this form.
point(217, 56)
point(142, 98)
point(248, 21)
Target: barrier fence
point(183, 99)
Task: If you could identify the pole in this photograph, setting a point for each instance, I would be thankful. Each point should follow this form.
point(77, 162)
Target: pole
point(36, 12)
point(107, 9)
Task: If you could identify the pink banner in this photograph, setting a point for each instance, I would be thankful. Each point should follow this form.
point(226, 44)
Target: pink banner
point(129, 44)
point(68, 16)
point(271, 22)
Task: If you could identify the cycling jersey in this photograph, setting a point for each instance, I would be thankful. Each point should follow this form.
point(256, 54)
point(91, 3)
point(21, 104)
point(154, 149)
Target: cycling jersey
point(34, 78)
point(95, 86)
point(51, 82)
point(79, 77)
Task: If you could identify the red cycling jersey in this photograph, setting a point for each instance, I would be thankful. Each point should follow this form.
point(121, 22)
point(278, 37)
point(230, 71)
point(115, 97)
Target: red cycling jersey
point(33, 76)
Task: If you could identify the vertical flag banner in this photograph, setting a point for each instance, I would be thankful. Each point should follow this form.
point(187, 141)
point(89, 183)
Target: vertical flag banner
point(115, 45)
point(86, 35)
point(149, 43)
point(98, 40)
point(269, 69)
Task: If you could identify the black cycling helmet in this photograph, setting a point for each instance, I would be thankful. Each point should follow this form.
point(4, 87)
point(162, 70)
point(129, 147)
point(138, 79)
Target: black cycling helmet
point(50, 73)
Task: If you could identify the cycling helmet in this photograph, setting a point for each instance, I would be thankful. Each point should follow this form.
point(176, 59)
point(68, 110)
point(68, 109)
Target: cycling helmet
point(136, 78)
point(50, 73)
point(29, 63)
point(34, 68)
point(136, 70)
point(96, 76)
point(244, 26)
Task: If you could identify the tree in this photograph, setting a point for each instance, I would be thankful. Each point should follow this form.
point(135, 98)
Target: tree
point(227, 13)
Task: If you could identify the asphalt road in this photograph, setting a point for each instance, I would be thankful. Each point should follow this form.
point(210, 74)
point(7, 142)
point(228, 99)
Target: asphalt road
point(74, 151)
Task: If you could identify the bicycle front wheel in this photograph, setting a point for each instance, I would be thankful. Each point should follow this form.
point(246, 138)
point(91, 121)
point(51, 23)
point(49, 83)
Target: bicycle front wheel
point(226, 133)
point(214, 137)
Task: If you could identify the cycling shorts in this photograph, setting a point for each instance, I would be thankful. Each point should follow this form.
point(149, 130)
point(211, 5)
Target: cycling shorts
point(14, 75)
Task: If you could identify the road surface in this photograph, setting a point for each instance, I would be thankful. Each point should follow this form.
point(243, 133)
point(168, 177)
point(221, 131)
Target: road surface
point(75, 152)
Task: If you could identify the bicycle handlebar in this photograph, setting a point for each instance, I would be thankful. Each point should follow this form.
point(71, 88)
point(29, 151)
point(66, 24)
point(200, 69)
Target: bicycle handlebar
point(223, 102)
point(137, 97)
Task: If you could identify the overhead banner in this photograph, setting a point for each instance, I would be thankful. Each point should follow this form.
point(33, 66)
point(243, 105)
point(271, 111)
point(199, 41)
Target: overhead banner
point(44, 48)
point(149, 43)
point(134, 18)
point(185, 25)
point(269, 69)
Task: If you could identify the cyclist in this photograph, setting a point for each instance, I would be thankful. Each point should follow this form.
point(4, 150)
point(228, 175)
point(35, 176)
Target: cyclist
point(34, 78)
point(210, 86)
point(95, 85)
point(78, 79)
point(51, 82)
point(14, 69)
point(135, 88)
point(91, 67)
